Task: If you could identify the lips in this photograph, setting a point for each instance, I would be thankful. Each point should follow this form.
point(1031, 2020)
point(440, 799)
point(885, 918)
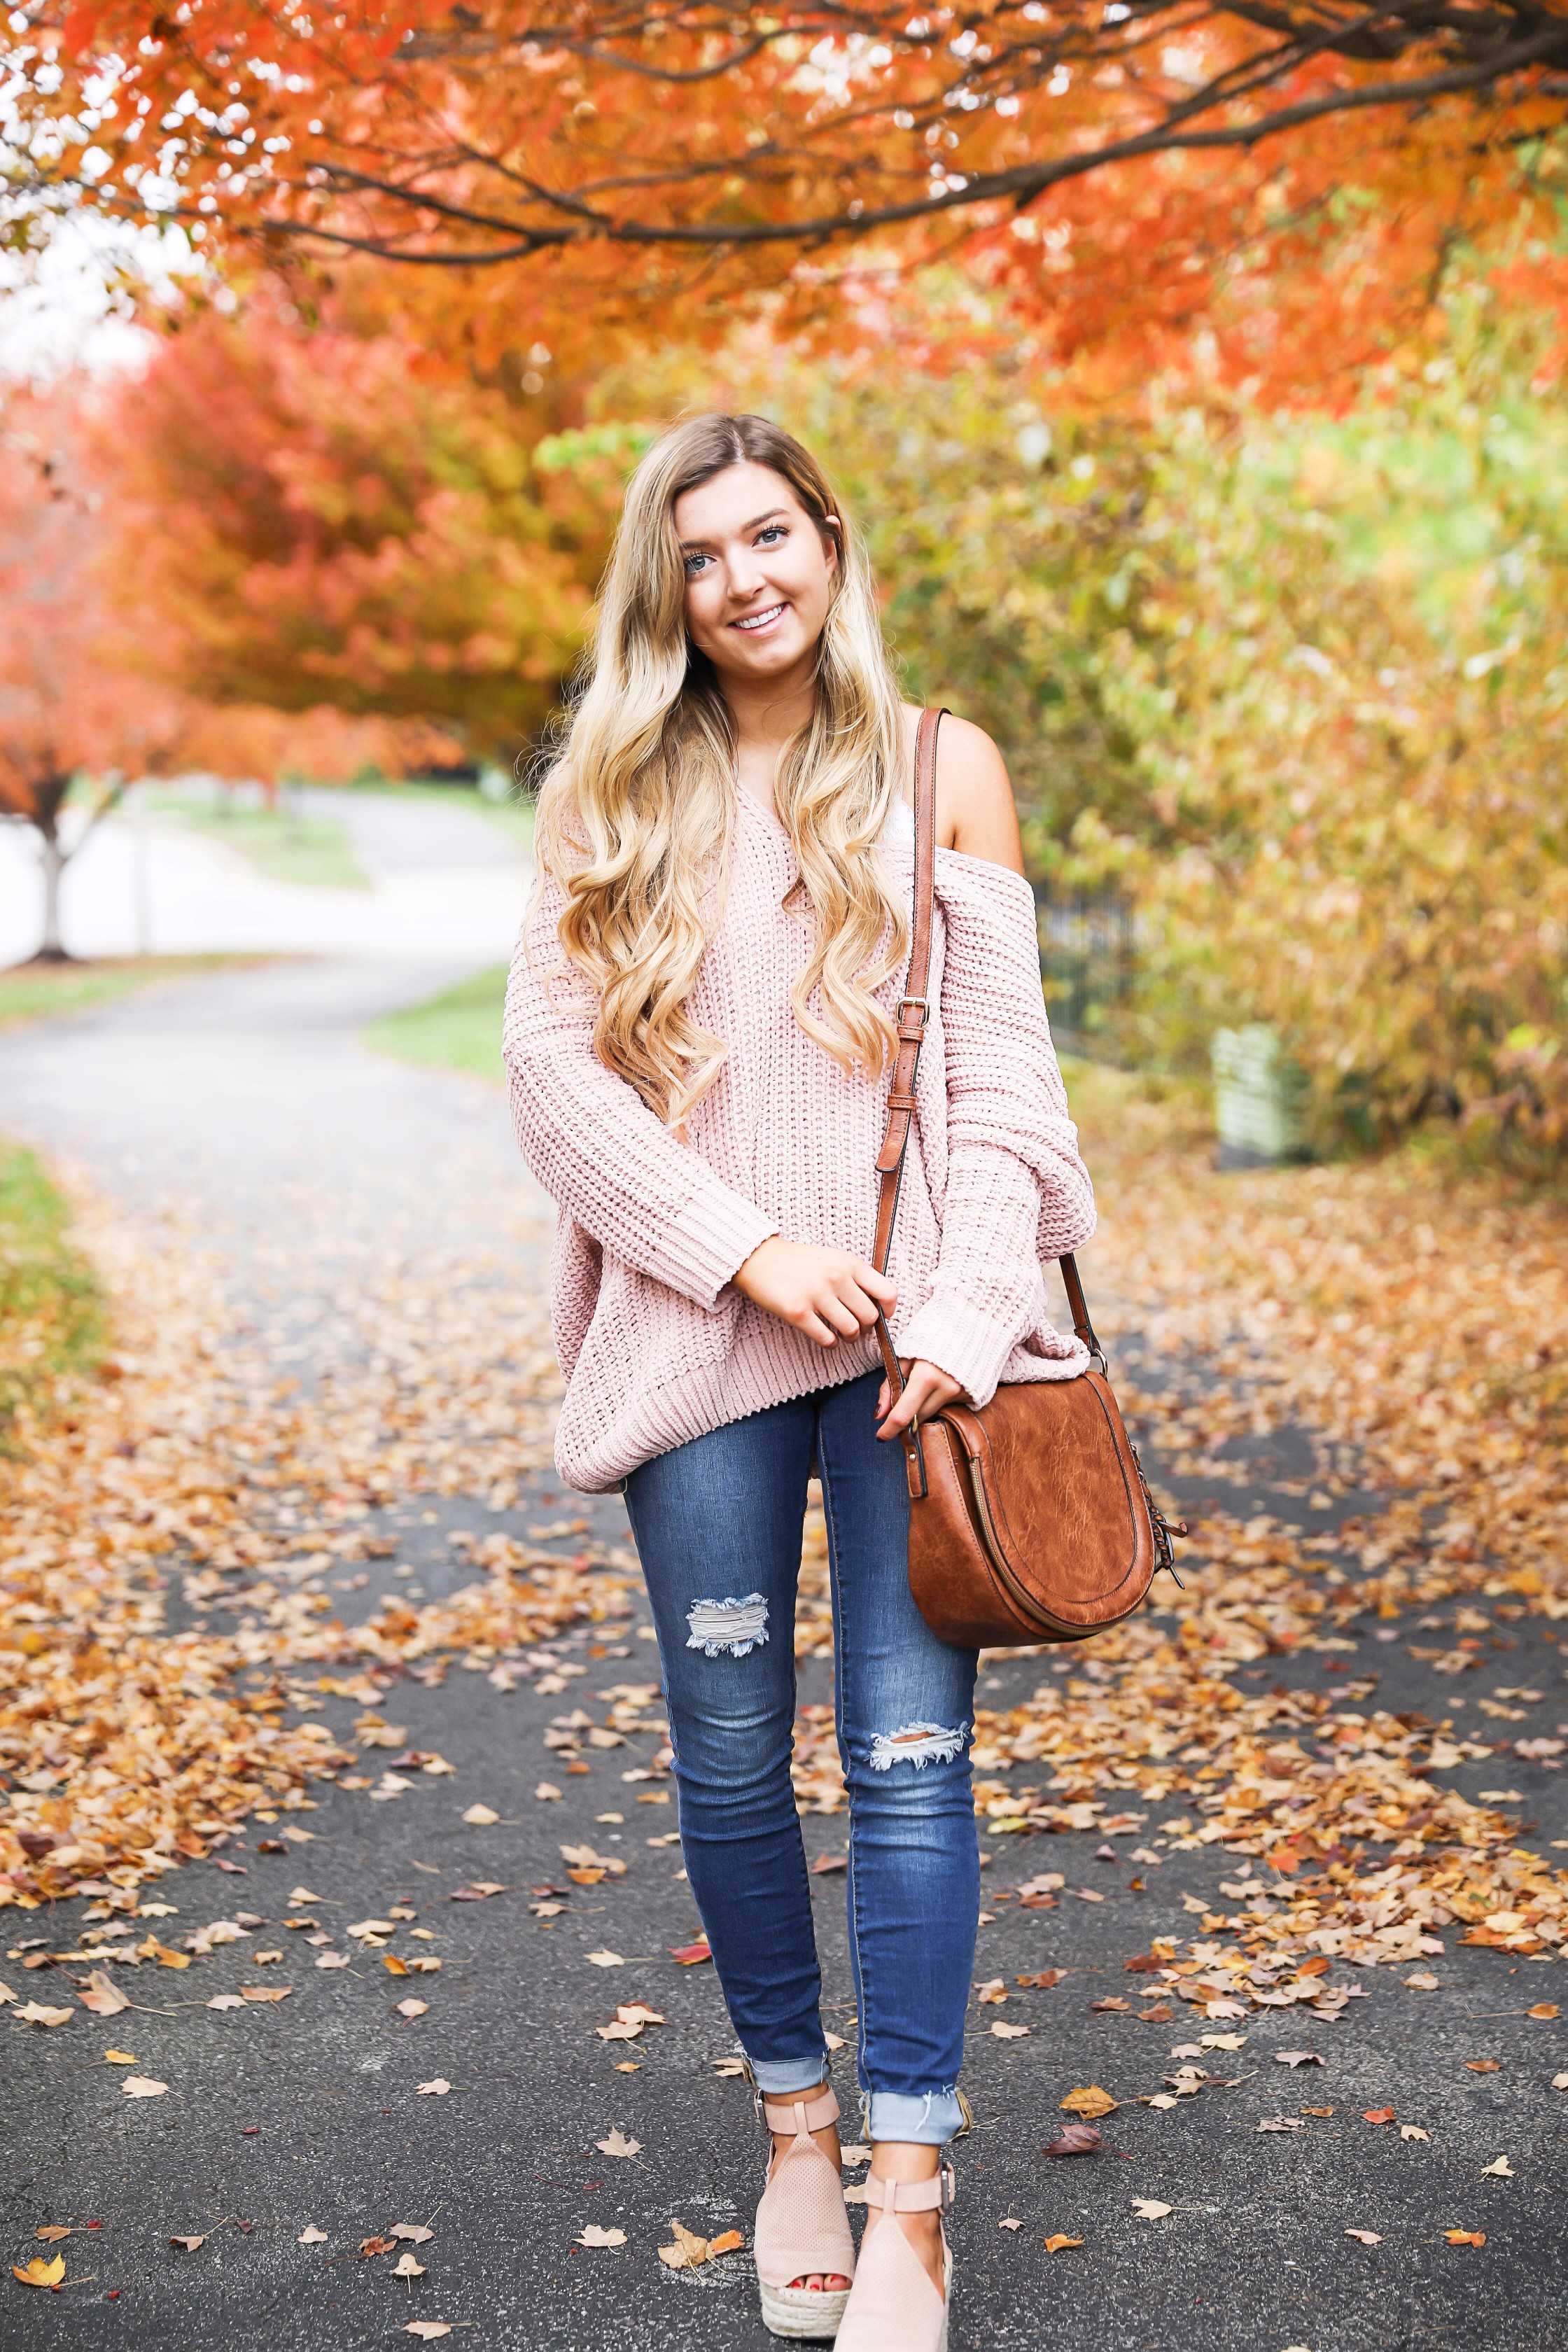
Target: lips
point(754, 621)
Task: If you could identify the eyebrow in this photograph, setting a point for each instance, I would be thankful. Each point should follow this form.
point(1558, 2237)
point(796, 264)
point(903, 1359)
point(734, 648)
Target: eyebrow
point(755, 523)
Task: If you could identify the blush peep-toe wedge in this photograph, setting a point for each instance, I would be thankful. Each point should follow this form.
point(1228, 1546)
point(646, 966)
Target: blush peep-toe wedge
point(803, 2229)
point(893, 2307)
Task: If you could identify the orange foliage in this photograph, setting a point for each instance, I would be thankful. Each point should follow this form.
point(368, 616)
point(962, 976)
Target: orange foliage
point(314, 522)
point(1270, 192)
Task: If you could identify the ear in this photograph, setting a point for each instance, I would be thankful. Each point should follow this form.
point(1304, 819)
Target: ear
point(832, 531)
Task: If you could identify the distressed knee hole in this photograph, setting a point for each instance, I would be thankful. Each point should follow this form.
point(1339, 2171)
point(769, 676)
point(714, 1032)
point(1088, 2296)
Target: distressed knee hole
point(918, 1744)
point(738, 1626)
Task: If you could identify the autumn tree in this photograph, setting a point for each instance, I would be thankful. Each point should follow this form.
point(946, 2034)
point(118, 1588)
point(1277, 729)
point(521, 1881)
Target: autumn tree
point(314, 520)
point(1275, 188)
point(64, 707)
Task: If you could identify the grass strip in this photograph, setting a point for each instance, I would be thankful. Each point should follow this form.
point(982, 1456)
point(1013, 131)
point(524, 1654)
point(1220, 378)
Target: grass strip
point(52, 1321)
point(459, 1030)
point(33, 991)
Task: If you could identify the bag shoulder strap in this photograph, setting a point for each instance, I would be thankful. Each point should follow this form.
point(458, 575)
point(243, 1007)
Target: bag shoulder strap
point(913, 1011)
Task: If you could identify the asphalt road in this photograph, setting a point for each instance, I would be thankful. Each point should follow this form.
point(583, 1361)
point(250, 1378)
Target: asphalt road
point(247, 1109)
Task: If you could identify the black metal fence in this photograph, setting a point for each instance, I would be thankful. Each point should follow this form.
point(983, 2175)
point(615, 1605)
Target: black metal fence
point(1088, 956)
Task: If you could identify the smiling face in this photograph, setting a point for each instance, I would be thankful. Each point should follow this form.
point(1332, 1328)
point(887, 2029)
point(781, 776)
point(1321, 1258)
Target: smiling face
point(759, 575)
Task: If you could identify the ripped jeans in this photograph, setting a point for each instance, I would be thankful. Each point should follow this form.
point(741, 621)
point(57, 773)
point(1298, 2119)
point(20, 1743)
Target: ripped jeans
point(717, 1525)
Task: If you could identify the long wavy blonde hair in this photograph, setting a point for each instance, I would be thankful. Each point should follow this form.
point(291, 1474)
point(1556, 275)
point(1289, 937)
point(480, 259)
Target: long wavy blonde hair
point(636, 806)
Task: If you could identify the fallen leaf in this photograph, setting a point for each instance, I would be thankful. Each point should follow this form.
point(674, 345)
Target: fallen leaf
point(1061, 2244)
point(986, 1994)
point(1413, 2131)
point(482, 1817)
point(164, 1955)
point(378, 2246)
point(436, 2088)
point(1544, 2008)
point(1149, 2209)
point(1317, 2111)
point(688, 2250)
point(1482, 2065)
point(827, 1863)
point(1042, 1979)
point(372, 1928)
point(1078, 2140)
point(1560, 2082)
point(1296, 2058)
point(1090, 2102)
point(1366, 2237)
point(266, 1992)
point(190, 2244)
point(1422, 1982)
point(36, 2012)
point(143, 2086)
point(545, 1791)
point(1163, 2099)
point(226, 2000)
point(311, 2236)
point(120, 2057)
point(411, 2007)
point(1005, 2033)
point(594, 2236)
point(407, 2266)
point(1499, 2167)
point(332, 1960)
point(1282, 2124)
point(1466, 2237)
point(1009, 2224)
point(688, 1955)
point(53, 2230)
point(605, 1960)
point(1222, 2041)
point(1113, 2000)
point(415, 2232)
point(731, 2068)
point(628, 2067)
point(427, 2330)
point(622, 2028)
point(1158, 2015)
point(729, 2242)
point(390, 1961)
point(39, 2273)
point(1377, 2114)
point(101, 1996)
point(618, 2145)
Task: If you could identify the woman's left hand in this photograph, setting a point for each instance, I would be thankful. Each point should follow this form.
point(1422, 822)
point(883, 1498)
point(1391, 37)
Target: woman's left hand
point(926, 1391)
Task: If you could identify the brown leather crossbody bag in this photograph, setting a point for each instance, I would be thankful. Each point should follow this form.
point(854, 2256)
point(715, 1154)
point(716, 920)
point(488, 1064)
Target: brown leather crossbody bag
point(1030, 1518)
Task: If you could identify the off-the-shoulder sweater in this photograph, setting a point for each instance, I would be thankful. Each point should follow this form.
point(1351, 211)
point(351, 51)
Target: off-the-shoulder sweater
point(656, 1345)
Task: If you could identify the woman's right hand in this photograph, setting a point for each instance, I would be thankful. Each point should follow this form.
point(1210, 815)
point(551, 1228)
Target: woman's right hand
point(826, 1293)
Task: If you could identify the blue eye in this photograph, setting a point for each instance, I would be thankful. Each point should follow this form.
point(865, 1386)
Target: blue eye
point(772, 530)
point(691, 563)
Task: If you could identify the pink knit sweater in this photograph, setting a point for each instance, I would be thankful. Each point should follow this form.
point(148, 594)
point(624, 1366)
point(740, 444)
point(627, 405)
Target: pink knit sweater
point(656, 1345)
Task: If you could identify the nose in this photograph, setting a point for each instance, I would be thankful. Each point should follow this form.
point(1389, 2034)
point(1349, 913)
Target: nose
point(746, 582)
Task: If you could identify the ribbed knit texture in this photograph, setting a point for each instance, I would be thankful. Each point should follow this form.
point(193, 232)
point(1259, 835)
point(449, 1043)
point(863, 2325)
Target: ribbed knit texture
point(656, 1345)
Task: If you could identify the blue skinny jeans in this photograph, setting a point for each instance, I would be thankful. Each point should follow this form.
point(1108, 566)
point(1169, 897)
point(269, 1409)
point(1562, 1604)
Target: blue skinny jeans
point(717, 1525)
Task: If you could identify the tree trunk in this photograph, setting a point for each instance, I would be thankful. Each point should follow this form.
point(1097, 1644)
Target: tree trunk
point(52, 949)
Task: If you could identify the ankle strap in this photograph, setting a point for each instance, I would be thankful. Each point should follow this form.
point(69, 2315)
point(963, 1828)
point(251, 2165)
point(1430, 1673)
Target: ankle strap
point(803, 2116)
point(912, 2196)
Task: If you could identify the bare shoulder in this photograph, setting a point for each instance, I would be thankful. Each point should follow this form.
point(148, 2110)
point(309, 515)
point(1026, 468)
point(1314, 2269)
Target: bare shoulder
point(975, 807)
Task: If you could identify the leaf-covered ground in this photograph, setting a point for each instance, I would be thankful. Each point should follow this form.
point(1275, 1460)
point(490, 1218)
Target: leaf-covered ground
point(302, 1647)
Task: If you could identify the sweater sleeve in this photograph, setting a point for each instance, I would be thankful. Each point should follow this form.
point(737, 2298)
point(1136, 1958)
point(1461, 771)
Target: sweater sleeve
point(1016, 1190)
point(599, 1151)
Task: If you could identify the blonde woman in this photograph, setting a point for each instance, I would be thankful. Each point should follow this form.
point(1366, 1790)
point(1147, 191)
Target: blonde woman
point(698, 1035)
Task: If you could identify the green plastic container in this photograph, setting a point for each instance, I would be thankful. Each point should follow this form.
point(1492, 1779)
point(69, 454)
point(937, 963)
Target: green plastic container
point(1259, 1099)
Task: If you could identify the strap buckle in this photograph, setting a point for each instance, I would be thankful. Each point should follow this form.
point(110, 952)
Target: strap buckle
point(922, 1002)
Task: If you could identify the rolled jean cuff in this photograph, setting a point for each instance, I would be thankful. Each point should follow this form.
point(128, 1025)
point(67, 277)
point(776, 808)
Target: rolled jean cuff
point(782, 2078)
point(926, 2118)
